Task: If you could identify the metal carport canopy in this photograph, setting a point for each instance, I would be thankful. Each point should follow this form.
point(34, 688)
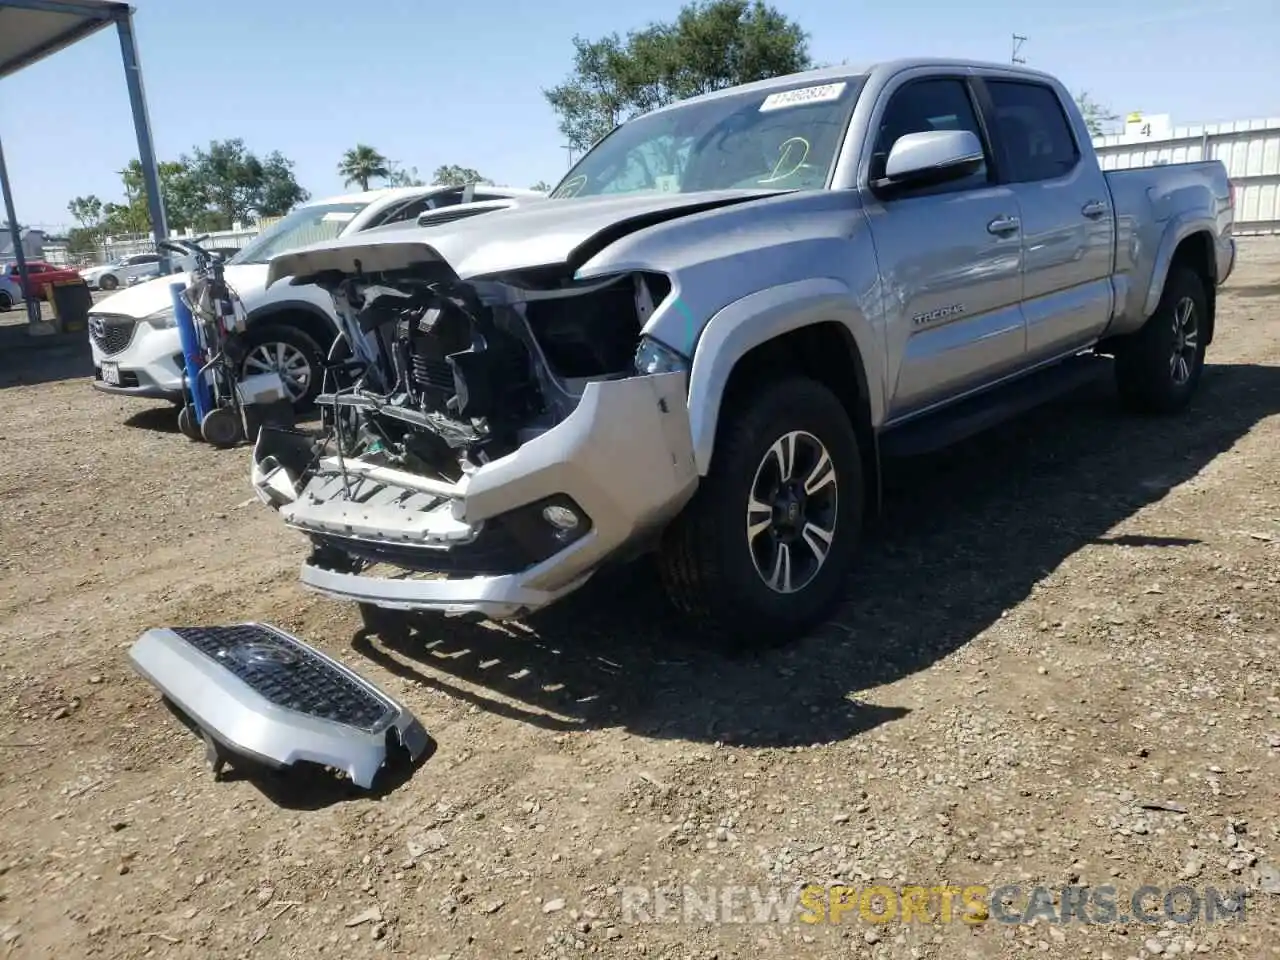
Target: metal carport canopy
point(31, 30)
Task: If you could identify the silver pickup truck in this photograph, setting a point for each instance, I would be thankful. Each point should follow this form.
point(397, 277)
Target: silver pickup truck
point(706, 340)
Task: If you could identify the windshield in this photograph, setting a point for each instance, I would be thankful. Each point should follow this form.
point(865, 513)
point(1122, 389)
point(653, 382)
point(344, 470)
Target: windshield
point(313, 223)
point(786, 138)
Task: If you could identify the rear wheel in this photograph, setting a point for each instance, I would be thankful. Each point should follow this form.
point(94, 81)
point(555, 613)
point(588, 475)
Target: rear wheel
point(762, 552)
point(1158, 368)
point(292, 354)
point(6, 304)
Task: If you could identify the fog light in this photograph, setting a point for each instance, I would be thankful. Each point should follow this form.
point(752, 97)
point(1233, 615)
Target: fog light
point(562, 518)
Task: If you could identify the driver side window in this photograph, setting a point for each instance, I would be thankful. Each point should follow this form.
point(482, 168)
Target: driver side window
point(921, 106)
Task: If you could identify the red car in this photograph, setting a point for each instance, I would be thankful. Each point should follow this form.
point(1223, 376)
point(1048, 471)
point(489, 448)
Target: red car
point(39, 276)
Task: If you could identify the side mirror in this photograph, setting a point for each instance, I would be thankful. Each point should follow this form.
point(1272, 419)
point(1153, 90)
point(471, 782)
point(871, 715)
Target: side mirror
point(930, 158)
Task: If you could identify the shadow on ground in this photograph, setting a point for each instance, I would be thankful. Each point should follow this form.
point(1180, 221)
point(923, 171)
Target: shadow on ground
point(25, 361)
point(305, 786)
point(163, 418)
point(965, 536)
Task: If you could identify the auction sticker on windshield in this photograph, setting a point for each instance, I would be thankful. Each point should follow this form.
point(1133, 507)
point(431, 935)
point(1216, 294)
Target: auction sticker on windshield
point(796, 98)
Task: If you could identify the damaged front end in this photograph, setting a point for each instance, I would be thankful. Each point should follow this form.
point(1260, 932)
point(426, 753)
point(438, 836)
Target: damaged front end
point(487, 443)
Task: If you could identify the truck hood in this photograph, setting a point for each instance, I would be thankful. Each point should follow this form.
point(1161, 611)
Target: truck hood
point(152, 296)
point(542, 234)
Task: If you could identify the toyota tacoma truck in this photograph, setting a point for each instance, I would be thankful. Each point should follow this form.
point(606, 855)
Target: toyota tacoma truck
point(705, 342)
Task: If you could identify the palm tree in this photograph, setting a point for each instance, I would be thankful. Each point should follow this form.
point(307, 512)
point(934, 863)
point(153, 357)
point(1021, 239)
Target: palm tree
point(361, 164)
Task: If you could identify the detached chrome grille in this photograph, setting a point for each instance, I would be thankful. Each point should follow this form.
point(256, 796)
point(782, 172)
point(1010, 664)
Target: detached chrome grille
point(111, 333)
point(289, 674)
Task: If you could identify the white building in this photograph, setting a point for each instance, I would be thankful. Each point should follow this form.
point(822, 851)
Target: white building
point(1250, 150)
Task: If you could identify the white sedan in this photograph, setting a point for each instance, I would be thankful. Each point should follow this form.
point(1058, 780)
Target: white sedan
point(113, 275)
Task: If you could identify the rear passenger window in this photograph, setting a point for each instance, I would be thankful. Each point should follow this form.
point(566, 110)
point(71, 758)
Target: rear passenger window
point(923, 105)
point(1032, 131)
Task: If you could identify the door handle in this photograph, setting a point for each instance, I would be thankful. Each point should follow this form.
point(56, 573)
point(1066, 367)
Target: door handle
point(1001, 225)
point(1094, 209)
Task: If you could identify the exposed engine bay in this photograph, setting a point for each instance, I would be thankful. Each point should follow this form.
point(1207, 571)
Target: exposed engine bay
point(447, 374)
point(433, 385)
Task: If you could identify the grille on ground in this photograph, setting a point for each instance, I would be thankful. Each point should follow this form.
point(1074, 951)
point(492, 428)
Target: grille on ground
point(290, 676)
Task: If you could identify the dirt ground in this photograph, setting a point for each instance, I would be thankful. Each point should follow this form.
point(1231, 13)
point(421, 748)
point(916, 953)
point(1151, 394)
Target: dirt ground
point(1056, 629)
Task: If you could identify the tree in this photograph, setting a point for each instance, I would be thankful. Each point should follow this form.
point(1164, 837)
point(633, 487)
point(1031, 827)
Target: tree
point(134, 215)
point(711, 45)
point(228, 180)
point(209, 190)
point(1095, 114)
point(281, 191)
point(361, 164)
point(82, 241)
point(452, 175)
point(398, 176)
point(541, 186)
point(87, 211)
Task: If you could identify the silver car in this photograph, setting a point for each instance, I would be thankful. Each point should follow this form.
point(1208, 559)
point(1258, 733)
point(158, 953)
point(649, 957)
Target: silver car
point(121, 273)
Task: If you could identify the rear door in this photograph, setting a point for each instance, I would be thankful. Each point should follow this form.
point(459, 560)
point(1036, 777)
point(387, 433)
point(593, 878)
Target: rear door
point(950, 256)
point(143, 265)
point(1068, 228)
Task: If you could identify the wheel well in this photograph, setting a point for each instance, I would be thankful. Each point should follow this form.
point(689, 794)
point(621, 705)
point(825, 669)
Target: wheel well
point(826, 352)
point(317, 327)
point(1196, 251)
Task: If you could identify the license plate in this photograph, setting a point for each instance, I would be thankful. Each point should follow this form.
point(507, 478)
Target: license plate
point(111, 374)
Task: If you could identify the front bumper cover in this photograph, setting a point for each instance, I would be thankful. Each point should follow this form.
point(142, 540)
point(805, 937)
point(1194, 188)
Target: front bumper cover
point(623, 458)
point(143, 391)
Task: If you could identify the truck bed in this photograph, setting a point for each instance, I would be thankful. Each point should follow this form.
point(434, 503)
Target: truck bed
point(1144, 200)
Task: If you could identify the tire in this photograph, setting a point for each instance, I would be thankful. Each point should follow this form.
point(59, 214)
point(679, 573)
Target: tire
point(711, 566)
point(6, 304)
point(222, 428)
point(187, 425)
point(1159, 367)
point(260, 346)
point(108, 282)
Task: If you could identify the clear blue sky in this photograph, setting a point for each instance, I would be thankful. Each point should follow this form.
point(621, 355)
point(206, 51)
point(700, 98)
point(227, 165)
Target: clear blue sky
point(430, 83)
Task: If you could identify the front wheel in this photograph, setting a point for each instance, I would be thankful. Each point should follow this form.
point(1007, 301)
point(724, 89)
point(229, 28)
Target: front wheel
point(763, 550)
point(6, 304)
point(108, 282)
point(289, 352)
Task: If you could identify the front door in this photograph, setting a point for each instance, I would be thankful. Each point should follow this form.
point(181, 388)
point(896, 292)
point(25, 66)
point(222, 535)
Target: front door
point(950, 260)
